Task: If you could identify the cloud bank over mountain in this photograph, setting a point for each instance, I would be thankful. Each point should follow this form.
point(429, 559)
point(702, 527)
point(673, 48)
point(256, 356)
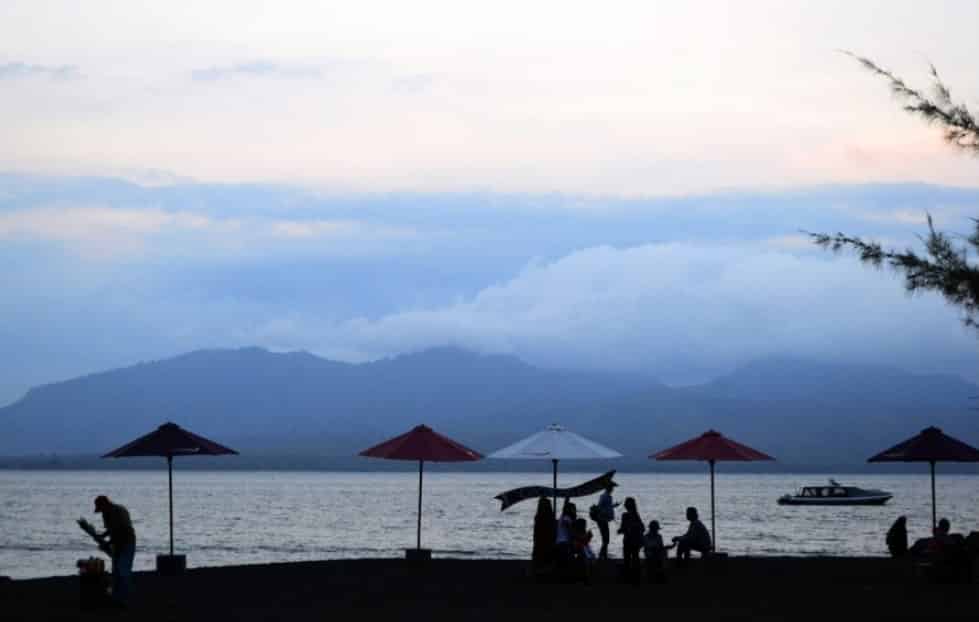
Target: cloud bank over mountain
point(101, 273)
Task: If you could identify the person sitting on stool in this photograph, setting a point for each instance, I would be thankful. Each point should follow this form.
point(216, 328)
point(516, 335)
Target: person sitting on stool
point(697, 538)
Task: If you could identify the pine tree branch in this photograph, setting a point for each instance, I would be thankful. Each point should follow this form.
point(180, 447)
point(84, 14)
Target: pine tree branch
point(957, 121)
point(945, 269)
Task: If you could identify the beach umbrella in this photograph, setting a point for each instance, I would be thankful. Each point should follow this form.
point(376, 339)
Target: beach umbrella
point(167, 441)
point(711, 446)
point(555, 443)
point(422, 444)
point(931, 446)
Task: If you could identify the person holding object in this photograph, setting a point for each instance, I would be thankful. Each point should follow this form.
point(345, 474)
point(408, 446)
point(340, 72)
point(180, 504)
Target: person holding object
point(119, 541)
point(697, 538)
point(604, 514)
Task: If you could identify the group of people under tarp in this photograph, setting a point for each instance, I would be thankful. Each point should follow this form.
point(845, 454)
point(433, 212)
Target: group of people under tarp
point(564, 544)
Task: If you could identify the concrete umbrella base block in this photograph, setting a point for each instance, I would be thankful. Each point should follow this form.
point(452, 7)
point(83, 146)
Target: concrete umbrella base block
point(418, 555)
point(171, 565)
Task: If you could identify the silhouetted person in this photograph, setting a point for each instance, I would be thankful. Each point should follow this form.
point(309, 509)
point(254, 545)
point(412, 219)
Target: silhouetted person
point(545, 533)
point(655, 552)
point(565, 531)
point(897, 537)
point(697, 538)
point(604, 515)
point(949, 553)
point(941, 537)
point(120, 538)
point(581, 552)
point(631, 527)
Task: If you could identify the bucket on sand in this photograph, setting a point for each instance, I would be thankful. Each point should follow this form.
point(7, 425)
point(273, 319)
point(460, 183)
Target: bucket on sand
point(93, 583)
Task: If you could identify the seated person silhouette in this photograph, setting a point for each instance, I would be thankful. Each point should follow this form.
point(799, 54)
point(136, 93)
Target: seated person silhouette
point(655, 552)
point(697, 538)
point(581, 540)
point(948, 554)
point(897, 537)
point(942, 540)
point(582, 554)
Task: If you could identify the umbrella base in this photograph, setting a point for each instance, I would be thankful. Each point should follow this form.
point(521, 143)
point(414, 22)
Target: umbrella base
point(716, 563)
point(418, 555)
point(171, 565)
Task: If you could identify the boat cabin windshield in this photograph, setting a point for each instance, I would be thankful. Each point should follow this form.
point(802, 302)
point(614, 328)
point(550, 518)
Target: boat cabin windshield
point(823, 491)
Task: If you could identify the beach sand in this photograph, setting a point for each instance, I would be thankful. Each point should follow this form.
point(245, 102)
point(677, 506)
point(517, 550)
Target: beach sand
point(745, 588)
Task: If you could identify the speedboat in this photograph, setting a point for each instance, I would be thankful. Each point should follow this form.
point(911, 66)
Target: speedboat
point(835, 494)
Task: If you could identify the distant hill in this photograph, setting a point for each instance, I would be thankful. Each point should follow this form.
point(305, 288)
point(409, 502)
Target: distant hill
point(296, 403)
point(785, 378)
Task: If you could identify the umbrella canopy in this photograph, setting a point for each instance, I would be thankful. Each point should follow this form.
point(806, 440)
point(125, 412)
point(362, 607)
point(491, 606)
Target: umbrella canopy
point(555, 443)
point(711, 446)
point(931, 445)
point(170, 440)
point(167, 441)
point(421, 444)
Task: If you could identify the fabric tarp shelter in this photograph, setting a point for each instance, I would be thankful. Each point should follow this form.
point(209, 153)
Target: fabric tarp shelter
point(555, 443)
point(167, 441)
point(931, 445)
point(422, 444)
point(711, 446)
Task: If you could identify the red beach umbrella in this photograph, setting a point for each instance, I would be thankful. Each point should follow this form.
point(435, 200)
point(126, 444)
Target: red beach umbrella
point(931, 445)
point(711, 446)
point(422, 444)
point(167, 441)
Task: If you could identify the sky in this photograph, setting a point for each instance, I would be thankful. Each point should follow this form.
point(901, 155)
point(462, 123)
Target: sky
point(619, 186)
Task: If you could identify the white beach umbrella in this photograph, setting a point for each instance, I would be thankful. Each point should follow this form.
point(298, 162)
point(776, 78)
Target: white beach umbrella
point(555, 443)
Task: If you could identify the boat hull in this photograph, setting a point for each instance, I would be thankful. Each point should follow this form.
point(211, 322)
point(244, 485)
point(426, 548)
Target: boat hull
point(874, 500)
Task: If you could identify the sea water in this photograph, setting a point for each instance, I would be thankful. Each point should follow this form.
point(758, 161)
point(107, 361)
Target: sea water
point(235, 517)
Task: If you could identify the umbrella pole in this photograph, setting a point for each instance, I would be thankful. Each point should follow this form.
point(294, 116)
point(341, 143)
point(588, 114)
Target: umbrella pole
point(934, 518)
point(556, 516)
point(418, 542)
point(713, 525)
point(170, 482)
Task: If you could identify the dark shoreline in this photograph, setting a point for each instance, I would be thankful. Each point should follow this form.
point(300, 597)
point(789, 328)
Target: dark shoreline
point(749, 587)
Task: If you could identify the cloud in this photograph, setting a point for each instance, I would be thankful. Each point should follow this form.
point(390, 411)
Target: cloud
point(682, 288)
point(414, 84)
point(313, 229)
point(101, 232)
point(96, 231)
point(24, 70)
point(258, 69)
point(92, 223)
point(682, 311)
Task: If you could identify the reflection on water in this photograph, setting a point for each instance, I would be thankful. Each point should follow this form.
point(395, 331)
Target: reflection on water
point(251, 517)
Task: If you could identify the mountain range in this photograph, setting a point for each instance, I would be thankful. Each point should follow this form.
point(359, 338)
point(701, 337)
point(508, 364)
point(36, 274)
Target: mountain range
point(266, 403)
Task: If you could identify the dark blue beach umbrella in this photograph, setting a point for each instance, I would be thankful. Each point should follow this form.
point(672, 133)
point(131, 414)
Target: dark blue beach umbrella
point(931, 445)
point(167, 441)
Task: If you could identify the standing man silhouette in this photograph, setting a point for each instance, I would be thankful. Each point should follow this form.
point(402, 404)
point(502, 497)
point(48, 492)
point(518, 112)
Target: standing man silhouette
point(605, 515)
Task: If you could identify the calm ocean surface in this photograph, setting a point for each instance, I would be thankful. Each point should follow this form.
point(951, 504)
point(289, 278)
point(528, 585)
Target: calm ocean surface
point(233, 517)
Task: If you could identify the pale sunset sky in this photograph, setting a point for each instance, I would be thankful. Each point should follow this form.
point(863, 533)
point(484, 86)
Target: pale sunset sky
point(618, 185)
